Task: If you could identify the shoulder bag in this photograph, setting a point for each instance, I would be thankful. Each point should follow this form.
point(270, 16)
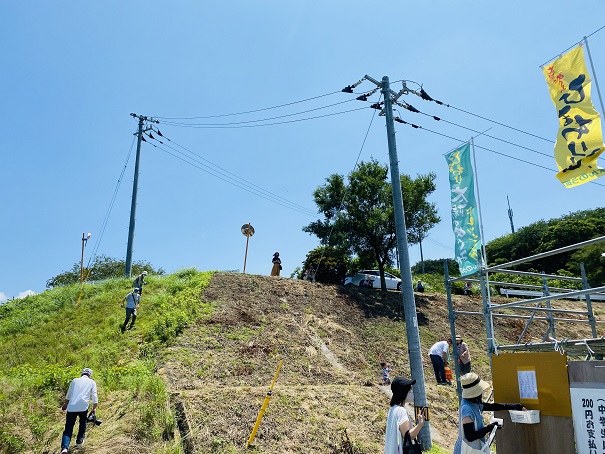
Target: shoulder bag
point(411, 447)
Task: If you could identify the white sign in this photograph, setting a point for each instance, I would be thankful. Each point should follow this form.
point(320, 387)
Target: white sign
point(588, 411)
point(528, 388)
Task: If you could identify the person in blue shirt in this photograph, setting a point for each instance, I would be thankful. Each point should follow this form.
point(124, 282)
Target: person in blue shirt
point(471, 427)
point(133, 300)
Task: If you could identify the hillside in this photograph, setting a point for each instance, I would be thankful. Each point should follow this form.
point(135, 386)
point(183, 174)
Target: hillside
point(206, 347)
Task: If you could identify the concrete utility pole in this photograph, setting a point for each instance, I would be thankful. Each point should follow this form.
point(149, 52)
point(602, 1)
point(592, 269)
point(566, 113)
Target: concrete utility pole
point(407, 286)
point(133, 205)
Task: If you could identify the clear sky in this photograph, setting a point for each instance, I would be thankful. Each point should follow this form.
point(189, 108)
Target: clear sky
point(72, 72)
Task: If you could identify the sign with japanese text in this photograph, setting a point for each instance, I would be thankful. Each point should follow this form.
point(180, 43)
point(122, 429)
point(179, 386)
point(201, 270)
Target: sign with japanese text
point(464, 210)
point(588, 410)
point(580, 139)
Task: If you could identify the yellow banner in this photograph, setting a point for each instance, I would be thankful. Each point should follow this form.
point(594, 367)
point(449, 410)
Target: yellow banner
point(579, 140)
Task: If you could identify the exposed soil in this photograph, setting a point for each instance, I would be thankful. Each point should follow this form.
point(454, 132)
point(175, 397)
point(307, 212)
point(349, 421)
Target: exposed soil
point(331, 340)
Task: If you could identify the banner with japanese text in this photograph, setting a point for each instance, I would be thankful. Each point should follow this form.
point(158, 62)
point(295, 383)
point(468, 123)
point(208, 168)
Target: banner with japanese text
point(464, 210)
point(580, 139)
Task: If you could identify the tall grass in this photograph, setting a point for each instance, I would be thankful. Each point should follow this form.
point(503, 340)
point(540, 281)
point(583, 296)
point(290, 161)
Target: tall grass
point(48, 338)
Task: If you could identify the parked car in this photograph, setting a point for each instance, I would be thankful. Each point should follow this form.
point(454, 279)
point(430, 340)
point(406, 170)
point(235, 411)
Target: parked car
point(371, 278)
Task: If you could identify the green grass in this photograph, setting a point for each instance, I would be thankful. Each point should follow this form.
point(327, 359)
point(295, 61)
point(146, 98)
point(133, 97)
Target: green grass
point(48, 338)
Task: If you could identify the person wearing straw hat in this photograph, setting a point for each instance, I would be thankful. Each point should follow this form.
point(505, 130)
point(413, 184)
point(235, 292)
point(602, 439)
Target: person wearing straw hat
point(471, 427)
point(398, 421)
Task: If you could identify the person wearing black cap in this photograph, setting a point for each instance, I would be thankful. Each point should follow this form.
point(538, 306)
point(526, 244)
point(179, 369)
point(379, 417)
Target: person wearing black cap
point(398, 421)
point(471, 427)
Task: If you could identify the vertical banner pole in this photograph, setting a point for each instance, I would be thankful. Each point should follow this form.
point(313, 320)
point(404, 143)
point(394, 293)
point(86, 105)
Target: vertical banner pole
point(596, 82)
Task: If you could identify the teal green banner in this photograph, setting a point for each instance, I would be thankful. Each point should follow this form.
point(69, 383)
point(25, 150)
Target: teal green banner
point(465, 222)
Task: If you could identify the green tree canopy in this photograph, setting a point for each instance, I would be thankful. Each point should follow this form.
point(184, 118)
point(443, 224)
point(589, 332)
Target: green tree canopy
point(543, 236)
point(102, 267)
point(359, 216)
point(333, 264)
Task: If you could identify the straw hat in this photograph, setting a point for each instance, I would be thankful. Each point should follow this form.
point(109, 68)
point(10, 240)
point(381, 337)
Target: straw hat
point(472, 385)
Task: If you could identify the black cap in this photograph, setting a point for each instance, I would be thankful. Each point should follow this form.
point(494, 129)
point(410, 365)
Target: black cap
point(399, 384)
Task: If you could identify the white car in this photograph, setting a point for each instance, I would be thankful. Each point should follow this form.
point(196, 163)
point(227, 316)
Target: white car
point(371, 278)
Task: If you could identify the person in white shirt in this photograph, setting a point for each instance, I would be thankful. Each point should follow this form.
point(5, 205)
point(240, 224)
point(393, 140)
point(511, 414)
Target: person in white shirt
point(81, 392)
point(438, 354)
point(398, 421)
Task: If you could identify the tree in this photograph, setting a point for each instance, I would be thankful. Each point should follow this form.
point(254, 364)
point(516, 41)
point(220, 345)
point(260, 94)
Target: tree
point(544, 236)
point(420, 215)
point(436, 267)
point(329, 264)
point(359, 216)
point(103, 267)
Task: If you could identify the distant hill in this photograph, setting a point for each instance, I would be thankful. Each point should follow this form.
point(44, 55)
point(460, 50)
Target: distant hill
point(203, 355)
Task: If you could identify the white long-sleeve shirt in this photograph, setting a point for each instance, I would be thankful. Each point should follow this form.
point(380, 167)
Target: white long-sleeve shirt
point(80, 392)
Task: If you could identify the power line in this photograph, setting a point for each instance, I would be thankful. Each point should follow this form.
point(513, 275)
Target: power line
point(487, 149)
point(268, 196)
point(256, 121)
point(266, 124)
point(226, 173)
point(250, 111)
point(111, 204)
point(486, 135)
point(365, 138)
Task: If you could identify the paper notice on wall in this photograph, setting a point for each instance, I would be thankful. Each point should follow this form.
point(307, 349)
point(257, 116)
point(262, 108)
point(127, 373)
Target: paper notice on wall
point(528, 387)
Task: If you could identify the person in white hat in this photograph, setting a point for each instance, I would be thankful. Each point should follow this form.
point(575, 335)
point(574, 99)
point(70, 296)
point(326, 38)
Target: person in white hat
point(398, 421)
point(140, 281)
point(471, 427)
point(81, 392)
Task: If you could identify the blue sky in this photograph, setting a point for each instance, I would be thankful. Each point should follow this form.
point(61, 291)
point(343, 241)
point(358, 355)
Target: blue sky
point(72, 72)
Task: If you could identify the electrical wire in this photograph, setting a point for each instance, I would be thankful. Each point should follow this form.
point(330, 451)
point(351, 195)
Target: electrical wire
point(365, 138)
point(269, 197)
point(428, 98)
point(490, 150)
point(428, 238)
point(256, 121)
point(226, 173)
point(110, 208)
point(265, 124)
point(486, 135)
point(249, 111)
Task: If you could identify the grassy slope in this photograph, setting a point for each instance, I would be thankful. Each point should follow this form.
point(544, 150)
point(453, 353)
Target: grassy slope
point(48, 338)
point(331, 339)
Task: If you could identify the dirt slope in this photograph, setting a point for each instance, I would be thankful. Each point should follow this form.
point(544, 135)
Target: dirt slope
point(332, 340)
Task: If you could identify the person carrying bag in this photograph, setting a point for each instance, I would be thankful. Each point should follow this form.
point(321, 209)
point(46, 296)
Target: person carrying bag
point(411, 446)
point(470, 421)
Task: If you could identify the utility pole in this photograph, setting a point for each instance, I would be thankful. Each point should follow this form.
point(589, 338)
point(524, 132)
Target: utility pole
point(133, 205)
point(407, 286)
point(510, 216)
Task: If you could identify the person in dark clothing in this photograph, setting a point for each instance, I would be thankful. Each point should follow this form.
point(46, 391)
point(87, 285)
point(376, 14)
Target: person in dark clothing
point(275, 270)
point(341, 272)
point(419, 287)
point(139, 282)
point(472, 430)
point(132, 303)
